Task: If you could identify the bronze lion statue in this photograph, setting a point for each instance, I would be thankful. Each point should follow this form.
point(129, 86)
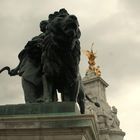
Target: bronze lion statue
point(50, 62)
point(60, 59)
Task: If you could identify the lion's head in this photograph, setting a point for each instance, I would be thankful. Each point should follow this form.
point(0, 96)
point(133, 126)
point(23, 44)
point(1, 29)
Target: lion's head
point(64, 27)
point(61, 51)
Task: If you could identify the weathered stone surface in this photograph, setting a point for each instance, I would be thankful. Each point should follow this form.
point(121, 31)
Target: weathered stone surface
point(43, 127)
point(95, 87)
point(106, 116)
point(111, 134)
point(40, 108)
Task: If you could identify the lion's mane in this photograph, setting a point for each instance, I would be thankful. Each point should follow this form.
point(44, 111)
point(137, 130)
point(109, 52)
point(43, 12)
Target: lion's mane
point(61, 51)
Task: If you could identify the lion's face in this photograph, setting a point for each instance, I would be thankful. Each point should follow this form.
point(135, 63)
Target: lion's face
point(65, 26)
point(70, 26)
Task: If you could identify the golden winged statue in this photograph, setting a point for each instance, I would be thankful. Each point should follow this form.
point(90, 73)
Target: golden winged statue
point(91, 61)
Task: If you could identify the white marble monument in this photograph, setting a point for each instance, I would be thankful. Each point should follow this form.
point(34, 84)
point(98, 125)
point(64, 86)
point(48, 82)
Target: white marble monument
point(106, 116)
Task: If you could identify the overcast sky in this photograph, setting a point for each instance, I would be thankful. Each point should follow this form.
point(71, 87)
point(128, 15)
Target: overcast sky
point(113, 25)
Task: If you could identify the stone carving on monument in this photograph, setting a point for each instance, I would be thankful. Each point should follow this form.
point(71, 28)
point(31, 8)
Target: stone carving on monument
point(49, 63)
point(106, 117)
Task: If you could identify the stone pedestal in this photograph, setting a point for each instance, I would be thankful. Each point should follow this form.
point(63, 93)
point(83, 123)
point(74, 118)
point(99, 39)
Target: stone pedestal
point(47, 126)
point(111, 135)
point(95, 87)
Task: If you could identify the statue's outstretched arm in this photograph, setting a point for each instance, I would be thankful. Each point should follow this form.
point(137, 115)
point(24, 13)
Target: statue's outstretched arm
point(14, 71)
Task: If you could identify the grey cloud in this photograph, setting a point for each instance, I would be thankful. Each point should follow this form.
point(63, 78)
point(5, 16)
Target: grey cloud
point(116, 45)
point(10, 93)
point(131, 7)
point(117, 49)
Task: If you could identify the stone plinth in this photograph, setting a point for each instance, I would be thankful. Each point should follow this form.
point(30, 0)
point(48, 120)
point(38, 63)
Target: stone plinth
point(111, 134)
point(40, 108)
point(48, 126)
point(95, 87)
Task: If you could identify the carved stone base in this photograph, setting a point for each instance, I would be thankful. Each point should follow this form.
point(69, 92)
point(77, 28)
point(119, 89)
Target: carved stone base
point(111, 134)
point(59, 126)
